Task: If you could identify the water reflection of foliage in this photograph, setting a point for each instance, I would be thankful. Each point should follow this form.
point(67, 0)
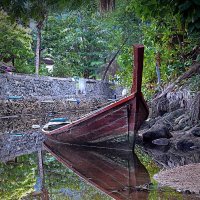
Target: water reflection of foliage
point(148, 162)
point(63, 184)
point(17, 179)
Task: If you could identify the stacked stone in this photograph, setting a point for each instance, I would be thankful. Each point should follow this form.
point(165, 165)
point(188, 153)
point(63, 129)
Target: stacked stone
point(23, 95)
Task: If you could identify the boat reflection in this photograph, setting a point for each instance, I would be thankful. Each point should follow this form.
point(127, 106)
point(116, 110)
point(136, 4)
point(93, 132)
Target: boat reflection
point(117, 173)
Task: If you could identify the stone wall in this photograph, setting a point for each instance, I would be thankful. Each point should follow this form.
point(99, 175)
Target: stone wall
point(42, 95)
point(48, 87)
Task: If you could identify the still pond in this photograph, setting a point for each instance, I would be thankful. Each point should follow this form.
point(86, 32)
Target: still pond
point(32, 167)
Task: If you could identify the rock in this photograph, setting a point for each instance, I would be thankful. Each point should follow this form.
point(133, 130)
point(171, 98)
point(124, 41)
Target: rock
point(35, 126)
point(179, 127)
point(156, 132)
point(161, 141)
point(159, 107)
point(175, 114)
point(187, 192)
point(179, 118)
point(183, 120)
point(174, 106)
point(196, 132)
point(184, 145)
point(194, 147)
point(145, 125)
point(151, 121)
point(182, 123)
point(168, 120)
point(186, 128)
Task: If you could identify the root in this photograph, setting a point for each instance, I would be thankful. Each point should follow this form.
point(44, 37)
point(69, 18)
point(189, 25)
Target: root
point(161, 103)
point(195, 109)
point(194, 69)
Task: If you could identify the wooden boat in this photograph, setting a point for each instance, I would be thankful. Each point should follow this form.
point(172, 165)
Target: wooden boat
point(121, 118)
point(117, 173)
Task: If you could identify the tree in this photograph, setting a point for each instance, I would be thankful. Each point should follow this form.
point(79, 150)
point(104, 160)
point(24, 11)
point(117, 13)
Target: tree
point(189, 12)
point(39, 10)
point(167, 37)
point(15, 42)
point(36, 10)
point(78, 42)
point(84, 42)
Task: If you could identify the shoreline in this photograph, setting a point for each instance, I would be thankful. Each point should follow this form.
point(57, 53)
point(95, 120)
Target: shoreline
point(183, 178)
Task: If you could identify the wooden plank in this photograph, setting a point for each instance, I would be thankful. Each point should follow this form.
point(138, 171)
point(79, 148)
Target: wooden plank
point(138, 50)
point(105, 109)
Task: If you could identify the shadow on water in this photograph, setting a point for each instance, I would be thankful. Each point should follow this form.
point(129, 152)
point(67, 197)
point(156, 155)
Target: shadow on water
point(169, 156)
point(28, 171)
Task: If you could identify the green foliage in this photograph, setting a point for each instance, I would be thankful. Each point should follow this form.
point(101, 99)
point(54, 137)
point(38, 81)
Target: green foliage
point(147, 10)
point(78, 42)
point(189, 12)
point(126, 67)
point(163, 34)
point(125, 20)
point(15, 42)
point(37, 10)
point(194, 83)
point(173, 46)
point(83, 41)
point(130, 31)
point(148, 162)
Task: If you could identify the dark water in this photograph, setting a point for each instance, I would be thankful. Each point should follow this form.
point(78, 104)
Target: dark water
point(33, 167)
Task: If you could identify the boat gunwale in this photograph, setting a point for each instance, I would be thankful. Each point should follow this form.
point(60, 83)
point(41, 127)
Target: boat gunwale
point(90, 115)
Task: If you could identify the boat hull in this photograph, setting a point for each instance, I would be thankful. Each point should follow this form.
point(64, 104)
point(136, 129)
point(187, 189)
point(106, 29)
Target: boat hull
point(118, 120)
point(122, 118)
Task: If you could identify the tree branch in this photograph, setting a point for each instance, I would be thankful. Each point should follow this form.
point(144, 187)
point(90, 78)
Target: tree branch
point(194, 69)
point(113, 58)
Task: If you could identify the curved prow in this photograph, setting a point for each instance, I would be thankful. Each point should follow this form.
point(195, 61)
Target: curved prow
point(138, 68)
point(139, 107)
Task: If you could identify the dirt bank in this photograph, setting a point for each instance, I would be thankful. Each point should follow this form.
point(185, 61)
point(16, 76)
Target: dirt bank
point(184, 178)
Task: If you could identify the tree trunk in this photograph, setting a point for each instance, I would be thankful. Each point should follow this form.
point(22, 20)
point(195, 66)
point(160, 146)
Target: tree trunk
point(158, 65)
point(109, 64)
point(194, 110)
point(38, 48)
point(107, 5)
